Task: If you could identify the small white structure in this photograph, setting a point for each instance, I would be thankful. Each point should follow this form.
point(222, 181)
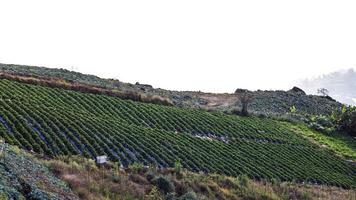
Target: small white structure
point(101, 159)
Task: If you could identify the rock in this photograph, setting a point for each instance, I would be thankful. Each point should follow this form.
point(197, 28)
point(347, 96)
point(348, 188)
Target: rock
point(187, 97)
point(239, 90)
point(143, 85)
point(297, 90)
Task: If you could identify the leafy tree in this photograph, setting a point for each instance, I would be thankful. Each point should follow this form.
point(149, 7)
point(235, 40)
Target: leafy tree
point(245, 99)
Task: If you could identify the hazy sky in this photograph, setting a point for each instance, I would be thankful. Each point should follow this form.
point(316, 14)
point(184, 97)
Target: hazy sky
point(203, 45)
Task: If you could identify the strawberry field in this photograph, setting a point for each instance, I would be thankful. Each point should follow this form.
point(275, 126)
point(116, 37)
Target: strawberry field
point(61, 122)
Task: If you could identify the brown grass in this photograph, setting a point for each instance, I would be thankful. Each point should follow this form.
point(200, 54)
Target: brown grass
point(91, 182)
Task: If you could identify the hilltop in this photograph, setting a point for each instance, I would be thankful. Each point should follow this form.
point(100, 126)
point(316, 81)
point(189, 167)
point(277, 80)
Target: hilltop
point(265, 102)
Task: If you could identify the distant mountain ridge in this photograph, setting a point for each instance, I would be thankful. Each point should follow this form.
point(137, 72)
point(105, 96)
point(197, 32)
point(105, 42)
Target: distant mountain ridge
point(340, 84)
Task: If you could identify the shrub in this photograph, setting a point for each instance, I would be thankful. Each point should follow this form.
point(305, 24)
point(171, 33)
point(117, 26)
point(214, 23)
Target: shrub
point(293, 109)
point(3, 197)
point(346, 120)
point(117, 166)
point(244, 180)
point(136, 167)
point(275, 181)
point(178, 167)
point(155, 194)
point(164, 184)
point(321, 123)
point(189, 196)
point(115, 179)
point(150, 176)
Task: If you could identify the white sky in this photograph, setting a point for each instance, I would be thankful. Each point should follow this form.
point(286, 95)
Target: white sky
point(215, 46)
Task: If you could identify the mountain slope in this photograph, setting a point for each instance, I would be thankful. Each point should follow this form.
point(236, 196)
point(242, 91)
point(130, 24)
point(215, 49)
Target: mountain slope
point(265, 102)
point(61, 122)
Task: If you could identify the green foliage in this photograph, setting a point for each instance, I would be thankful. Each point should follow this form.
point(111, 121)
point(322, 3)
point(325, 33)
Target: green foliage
point(322, 123)
point(343, 120)
point(244, 180)
point(136, 167)
point(293, 110)
point(346, 121)
point(178, 167)
point(117, 166)
point(341, 144)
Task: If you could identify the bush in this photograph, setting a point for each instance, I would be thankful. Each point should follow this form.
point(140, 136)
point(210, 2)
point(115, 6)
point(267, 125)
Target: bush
point(164, 184)
point(346, 120)
point(244, 180)
point(136, 167)
point(3, 197)
point(189, 196)
point(178, 167)
point(293, 109)
point(155, 194)
point(150, 176)
point(322, 123)
point(115, 179)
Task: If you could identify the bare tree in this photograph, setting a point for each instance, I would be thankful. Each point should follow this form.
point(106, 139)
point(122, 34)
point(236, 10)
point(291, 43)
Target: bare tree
point(245, 99)
point(323, 91)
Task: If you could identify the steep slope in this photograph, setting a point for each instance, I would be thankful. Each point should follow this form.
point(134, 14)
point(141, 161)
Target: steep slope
point(21, 176)
point(265, 102)
point(60, 122)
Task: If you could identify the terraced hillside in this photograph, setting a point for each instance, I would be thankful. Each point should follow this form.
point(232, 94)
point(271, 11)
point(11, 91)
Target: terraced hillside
point(57, 121)
point(265, 102)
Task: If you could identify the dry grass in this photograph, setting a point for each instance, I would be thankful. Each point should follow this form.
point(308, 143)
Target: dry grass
point(91, 182)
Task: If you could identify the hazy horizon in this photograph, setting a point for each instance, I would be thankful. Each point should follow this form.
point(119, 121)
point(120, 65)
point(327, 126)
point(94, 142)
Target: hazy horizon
point(187, 45)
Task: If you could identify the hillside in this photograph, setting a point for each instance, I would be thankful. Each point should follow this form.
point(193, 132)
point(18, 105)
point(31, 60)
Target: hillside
point(61, 122)
point(265, 102)
point(26, 175)
point(341, 85)
point(23, 177)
